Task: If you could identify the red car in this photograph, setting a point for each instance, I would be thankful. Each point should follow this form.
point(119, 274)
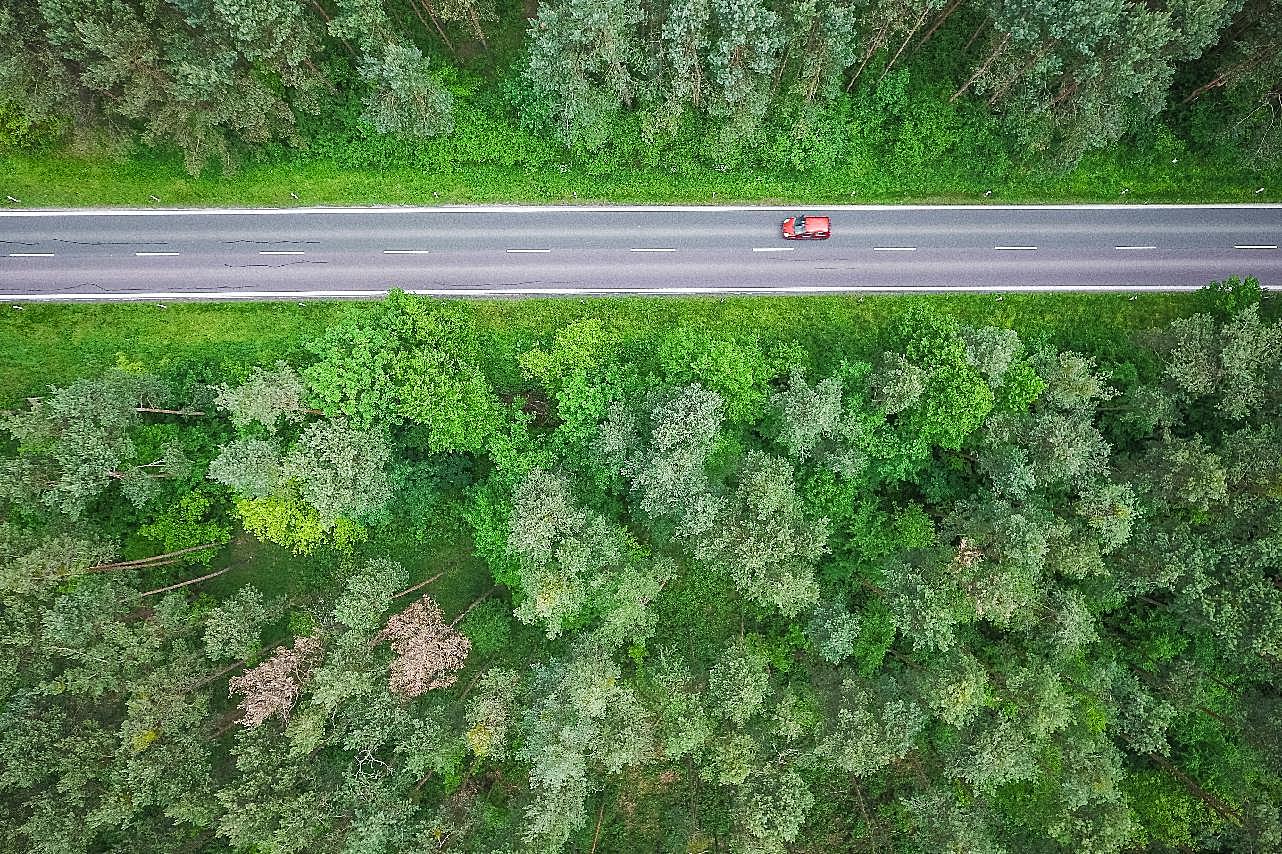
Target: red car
point(806, 228)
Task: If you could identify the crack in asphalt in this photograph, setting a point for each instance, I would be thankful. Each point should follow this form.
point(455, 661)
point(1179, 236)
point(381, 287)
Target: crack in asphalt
point(282, 264)
point(271, 242)
point(111, 242)
point(65, 289)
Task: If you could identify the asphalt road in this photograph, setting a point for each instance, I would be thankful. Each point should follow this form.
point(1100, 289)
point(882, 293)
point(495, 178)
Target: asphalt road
point(341, 252)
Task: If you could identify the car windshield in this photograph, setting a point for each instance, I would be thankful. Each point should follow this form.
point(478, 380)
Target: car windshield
point(799, 224)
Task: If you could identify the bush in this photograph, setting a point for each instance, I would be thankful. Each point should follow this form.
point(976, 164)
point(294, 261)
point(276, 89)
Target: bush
point(488, 627)
point(1225, 299)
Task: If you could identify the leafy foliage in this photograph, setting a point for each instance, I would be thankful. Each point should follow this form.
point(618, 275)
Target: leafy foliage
point(935, 587)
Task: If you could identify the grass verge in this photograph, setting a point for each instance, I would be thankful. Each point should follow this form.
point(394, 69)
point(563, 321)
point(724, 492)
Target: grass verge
point(54, 344)
point(62, 180)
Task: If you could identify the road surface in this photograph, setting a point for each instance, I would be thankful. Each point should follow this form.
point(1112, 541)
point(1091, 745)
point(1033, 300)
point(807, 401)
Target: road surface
point(487, 251)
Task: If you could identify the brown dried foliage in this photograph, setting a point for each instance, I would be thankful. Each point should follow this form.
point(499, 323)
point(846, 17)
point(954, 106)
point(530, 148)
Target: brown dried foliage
point(273, 687)
point(429, 652)
point(968, 554)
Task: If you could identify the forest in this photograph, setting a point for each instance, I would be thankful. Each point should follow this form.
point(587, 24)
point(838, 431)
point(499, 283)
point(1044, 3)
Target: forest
point(644, 576)
point(874, 99)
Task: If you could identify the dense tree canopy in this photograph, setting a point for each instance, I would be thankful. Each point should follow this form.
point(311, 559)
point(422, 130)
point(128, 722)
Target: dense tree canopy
point(942, 587)
point(713, 83)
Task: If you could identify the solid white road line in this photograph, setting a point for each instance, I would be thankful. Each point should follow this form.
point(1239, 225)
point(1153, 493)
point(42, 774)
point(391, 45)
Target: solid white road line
point(453, 209)
point(30, 254)
point(773, 248)
point(520, 251)
point(482, 292)
point(154, 254)
point(1124, 248)
point(894, 249)
point(280, 252)
point(406, 251)
point(1016, 248)
point(648, 249)
point(1274, 246)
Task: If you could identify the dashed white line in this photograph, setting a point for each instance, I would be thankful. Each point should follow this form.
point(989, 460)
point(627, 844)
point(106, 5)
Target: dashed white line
point(477, 292)
point(773, 248)
point(30, 254)
point(1273, 246)
point(1015, 248)
point(280, 251)
point(406, 251)
point(1126, 248)
point(154, 254)
point(894, 249)
point(519, 251)
point(651, 249)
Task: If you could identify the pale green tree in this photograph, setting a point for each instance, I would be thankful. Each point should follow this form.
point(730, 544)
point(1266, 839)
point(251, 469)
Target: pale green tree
point(582, 68)
point(738, 684)
point(764, 541)
point(234, 628)
point(405, 96)
point(267, 397)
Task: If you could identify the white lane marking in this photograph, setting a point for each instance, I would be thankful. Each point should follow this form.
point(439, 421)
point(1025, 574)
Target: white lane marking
point(1274, 246)
point(452, 209)
point(280, 251)
point(773, 248)
point(1125, 248)
point(648, 249)
point(30, 254)
point(482, 292)
point(1016, 248)
point(406, 251)
point(894, 249)
point(154, 254)
point(528, 250)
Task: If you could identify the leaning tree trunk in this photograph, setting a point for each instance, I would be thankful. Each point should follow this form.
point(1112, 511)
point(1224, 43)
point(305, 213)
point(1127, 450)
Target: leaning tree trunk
point(902, 47)
point(154, 560)
point(435, 22)
point(992, 57)
point(1195, 788)
point(187, 583)
point(469, 608)
point(476, 27)
point(939, 22)
point(407, 591)
point(1023, 69)
point(1225, 77)
point(975, 35)
point(876, 46)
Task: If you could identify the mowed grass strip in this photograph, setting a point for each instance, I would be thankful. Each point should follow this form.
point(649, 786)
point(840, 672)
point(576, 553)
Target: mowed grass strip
point(59, 179)
point(46, 345)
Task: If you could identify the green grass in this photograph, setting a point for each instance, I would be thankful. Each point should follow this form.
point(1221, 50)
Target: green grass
point(54, 344)
point(46, 345)
point(63, 180)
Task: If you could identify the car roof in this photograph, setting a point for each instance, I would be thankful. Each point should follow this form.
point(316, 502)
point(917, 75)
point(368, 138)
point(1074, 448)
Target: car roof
point(816, 223)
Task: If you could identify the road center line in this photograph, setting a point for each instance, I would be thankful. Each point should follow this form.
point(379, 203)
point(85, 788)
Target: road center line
point(1016, 248)
point(154, 254)
point(773, 248)
point(406, 251)
point(1124, 248)
point(894, 249)
point(1274, 246)
point(30, 254)
point(280, 251)
point(649, 249)
point(529, 250)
